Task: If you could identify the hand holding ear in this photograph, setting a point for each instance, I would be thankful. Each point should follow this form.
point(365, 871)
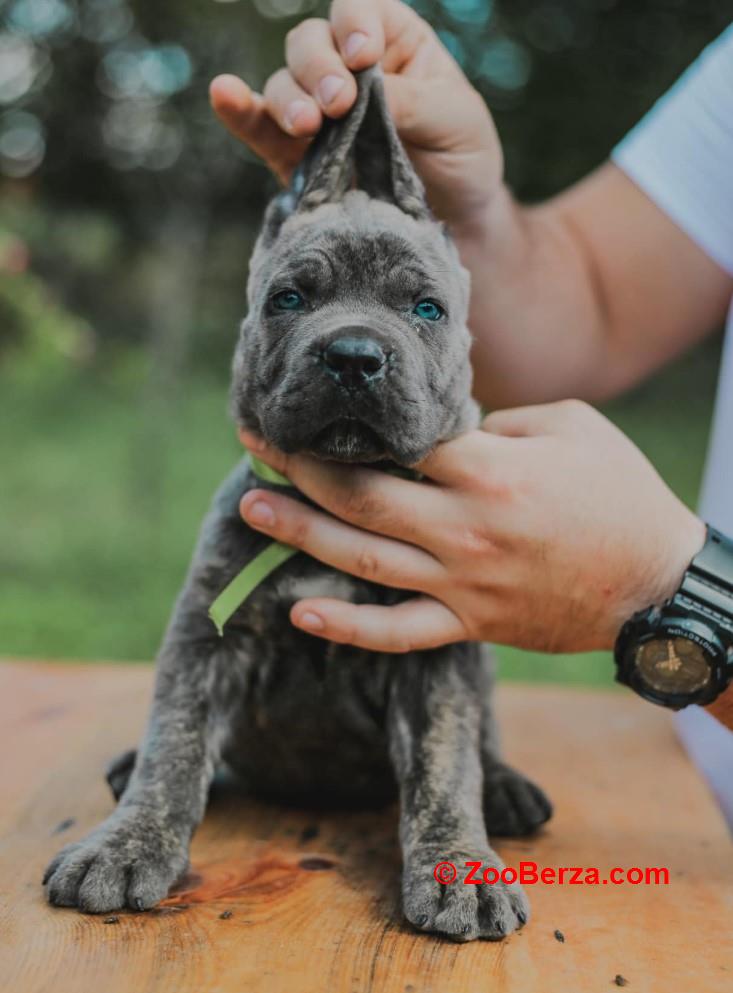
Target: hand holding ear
point(442, 121)
point(546, 530)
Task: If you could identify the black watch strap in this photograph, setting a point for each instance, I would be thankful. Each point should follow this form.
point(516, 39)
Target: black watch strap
point(708, 582)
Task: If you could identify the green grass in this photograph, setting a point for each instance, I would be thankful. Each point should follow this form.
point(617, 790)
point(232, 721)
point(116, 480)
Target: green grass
point(103, 486)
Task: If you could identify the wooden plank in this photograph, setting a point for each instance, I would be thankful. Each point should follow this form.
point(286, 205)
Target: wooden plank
point(314, 912)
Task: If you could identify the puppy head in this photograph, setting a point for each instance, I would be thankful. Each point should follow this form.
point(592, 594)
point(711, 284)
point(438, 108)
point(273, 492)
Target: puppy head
point(355, 346)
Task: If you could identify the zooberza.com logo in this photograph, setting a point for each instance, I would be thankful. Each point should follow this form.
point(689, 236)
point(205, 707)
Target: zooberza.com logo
point(530, 874)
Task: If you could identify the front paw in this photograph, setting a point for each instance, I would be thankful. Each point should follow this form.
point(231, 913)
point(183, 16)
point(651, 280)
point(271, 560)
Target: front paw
point(458, 910)
point(131, 860)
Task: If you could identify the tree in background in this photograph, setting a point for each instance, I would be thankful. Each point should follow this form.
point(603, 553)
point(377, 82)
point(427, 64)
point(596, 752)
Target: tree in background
point(140, 211)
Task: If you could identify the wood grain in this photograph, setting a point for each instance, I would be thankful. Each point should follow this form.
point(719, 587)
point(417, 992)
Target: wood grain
point(314, 898)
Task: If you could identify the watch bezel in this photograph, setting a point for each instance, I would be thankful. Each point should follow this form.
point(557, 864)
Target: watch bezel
point(653, 625)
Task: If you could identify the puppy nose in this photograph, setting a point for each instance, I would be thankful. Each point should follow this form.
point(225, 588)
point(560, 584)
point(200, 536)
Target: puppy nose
point(354, 361)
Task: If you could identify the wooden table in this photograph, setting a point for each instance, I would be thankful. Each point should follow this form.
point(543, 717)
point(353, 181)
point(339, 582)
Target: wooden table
point(314, 899)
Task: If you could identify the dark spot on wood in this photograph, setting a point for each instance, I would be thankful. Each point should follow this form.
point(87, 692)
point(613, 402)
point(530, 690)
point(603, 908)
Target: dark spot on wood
point(64, 825)
point(309, 832)
point(559, 936)
point(316, 864)
point(225, 915)
point(619, 980)
point(111, 920)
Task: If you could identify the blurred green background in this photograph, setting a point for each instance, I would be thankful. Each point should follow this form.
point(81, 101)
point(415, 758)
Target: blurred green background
point(127, 216)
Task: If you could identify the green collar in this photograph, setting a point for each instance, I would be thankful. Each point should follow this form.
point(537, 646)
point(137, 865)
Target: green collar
point(256, 571)
point(272, 556)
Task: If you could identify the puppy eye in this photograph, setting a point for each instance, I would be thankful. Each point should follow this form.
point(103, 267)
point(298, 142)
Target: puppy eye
point(429, 310)
point(288, 300)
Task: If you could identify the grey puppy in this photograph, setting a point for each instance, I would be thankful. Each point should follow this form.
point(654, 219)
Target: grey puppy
point(355, 348)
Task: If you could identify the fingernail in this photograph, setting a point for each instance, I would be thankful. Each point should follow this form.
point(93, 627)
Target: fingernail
point(293, 112)
point(328, 89)
point(311, 621)
point(354, 44)
point(260, 513)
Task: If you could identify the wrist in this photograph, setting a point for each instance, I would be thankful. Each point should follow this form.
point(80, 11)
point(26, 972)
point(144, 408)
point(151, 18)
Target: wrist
point(663, 574)
point(490, 222)
point(685, 542)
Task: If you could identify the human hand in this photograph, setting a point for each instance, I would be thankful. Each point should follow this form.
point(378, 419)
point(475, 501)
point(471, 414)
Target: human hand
point(546, 530)
point(442, 120)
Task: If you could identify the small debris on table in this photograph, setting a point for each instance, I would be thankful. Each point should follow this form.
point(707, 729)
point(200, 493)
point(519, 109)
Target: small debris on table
point(559, 936)
point(620, 980)
point(113, 919)
point(225, 915)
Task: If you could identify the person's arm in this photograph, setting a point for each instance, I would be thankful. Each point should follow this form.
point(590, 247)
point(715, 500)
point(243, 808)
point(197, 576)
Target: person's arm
point(586, 295)
point(582, 296)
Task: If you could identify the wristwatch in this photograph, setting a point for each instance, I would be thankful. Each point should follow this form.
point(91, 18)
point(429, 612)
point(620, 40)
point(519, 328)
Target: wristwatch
point(682, 652)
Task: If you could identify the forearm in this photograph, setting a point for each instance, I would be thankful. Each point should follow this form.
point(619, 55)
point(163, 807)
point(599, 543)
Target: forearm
point(536, 318)
point(583, 296)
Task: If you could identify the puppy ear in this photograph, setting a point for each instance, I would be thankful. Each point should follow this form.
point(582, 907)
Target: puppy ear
point(383, 168)
point(359, 150)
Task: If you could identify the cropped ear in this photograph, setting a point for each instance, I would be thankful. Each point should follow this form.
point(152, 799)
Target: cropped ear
point(360, 150)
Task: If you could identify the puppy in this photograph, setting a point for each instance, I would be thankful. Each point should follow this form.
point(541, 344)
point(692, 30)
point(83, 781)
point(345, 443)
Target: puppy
point(356, 349)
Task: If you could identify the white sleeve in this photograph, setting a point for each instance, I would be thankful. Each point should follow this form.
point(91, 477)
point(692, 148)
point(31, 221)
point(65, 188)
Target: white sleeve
point(681, 153)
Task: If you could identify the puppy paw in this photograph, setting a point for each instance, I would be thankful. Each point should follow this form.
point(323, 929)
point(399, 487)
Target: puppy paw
point(513, 805)
point(129, 862)
point(119, 771)
point(461, 911)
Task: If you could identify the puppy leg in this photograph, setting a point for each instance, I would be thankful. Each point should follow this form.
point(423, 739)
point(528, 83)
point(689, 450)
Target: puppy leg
point(513, 805)
point(134, 857)
point(119, 771)
point(434, 730)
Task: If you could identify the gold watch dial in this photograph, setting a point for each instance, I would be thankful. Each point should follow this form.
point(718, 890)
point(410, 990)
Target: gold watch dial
point(673, 665)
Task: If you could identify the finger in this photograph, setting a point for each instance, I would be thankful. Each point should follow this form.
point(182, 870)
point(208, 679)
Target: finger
point(416, 624)
point(456, 462)
point(245, 115)
point(357, 28)
point(563, 417)
point(294, 110)
point(376, 501)
point(317, 66)
point(367, 556)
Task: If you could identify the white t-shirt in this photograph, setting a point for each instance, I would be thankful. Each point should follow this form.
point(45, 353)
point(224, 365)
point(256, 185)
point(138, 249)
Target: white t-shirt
point(681, 155)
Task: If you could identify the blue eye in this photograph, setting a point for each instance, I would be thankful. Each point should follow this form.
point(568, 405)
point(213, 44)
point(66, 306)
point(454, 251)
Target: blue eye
point(429, 310)
point(288, 300)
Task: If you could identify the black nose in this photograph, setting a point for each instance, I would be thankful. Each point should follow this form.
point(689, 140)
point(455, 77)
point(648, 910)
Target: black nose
point(354, 361)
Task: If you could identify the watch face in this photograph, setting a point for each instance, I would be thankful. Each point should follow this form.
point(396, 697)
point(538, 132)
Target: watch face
point(673, 665)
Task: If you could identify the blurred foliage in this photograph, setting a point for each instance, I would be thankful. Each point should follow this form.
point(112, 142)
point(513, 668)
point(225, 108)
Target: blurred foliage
point(127, 216)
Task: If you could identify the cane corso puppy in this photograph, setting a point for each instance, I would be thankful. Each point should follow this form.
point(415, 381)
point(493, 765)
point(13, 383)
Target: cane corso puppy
point(356, 349)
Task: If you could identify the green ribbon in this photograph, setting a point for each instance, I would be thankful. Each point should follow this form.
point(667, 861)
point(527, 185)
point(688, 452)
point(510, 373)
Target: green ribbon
point(256, 571)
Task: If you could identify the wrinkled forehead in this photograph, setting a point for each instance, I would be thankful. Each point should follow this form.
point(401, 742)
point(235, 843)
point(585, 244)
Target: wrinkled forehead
point(360, 248)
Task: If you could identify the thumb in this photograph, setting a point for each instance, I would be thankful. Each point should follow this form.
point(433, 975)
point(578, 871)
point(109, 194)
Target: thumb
point(440, 115)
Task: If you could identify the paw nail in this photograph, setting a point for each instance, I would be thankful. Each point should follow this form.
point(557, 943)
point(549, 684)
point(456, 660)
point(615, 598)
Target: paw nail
point(293, 112)
point(329, 88)
point(521, 917)
point(139, 906)
point(422, 920)
point(354, 44)
point(260, 513)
